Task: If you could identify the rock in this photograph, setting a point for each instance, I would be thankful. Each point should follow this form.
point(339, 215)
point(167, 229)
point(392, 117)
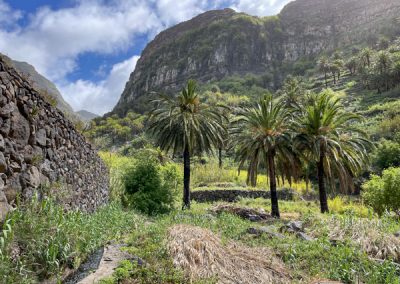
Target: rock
point(15, 167)
point(6, 110)
point(38, 145)
point(265, 230)
point(41, 137)
point(304, 236)
point(12, 187)
point(397, 234)
point(20, 130)
point(4, 206)
point(2, 145)
point(34, 177)
point(293, 227)
point(3, 163)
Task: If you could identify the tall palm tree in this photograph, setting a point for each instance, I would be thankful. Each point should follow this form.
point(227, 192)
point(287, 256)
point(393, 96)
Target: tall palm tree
point(327, 137)
point(263, 136)
point(186, 125)
point(365, 56)
point(324, 66)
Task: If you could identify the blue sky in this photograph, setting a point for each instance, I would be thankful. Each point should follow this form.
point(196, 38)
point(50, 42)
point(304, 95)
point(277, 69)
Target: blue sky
point(88, 48)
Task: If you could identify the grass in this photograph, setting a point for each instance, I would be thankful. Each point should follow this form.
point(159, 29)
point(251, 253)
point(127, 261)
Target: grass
point(346, 261)
point(40, 240)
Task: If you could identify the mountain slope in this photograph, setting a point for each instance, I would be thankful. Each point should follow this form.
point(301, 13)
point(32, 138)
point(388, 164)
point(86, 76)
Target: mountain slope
point(86, 115)
point(222, 43)
point(44, 86)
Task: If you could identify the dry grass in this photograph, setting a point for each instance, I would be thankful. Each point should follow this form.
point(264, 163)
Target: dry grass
point(201, 254)
point(369, 234)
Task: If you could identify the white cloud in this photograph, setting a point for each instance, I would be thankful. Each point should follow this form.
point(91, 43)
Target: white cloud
point(260, 7)
point(102, 96)
point(172, 11)
point(53, 40)
point(7, 15)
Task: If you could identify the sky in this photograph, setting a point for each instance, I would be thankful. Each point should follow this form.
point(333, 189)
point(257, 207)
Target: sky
point(88, 48)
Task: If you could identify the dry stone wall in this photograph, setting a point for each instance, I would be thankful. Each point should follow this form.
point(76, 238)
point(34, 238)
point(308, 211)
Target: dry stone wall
point(42, 152)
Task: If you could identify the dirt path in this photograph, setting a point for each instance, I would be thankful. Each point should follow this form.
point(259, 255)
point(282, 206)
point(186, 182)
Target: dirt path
point(111, 257)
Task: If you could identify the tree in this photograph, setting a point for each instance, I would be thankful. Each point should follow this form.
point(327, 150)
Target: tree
point(351, 65)
point(365, 57)
point(325, 67)
point(327, 138)
point(263, 135)
point(383, 65)
point(186, 125)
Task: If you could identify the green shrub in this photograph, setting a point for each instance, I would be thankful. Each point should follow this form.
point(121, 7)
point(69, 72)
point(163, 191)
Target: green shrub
point(383, 193)
point(150, 188)
point(387, 155)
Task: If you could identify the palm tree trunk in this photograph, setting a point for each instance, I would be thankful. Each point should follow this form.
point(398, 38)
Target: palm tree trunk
point(186, 179)
point(272, 185)
point(220, 157)
point(321, 185)
point(326, 81)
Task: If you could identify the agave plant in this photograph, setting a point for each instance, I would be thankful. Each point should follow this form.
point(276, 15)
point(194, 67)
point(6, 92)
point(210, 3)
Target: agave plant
point(185, 125)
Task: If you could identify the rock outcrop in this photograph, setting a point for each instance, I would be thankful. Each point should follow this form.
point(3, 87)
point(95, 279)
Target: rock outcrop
point(222, 43)
point(41, 151)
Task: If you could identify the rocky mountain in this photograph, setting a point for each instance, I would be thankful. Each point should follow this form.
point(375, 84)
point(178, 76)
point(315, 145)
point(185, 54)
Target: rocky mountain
point(222, 43)
point(86, 115)
point(44, 86)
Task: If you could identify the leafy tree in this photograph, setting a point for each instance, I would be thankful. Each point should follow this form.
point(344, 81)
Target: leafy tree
point(326, 137)
point(383, 193)
point(263, 135)
point(387, 155)
point(186, 125)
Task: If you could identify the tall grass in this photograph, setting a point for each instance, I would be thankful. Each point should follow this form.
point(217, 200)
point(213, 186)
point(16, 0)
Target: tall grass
point(40, 239)
point(210, 173)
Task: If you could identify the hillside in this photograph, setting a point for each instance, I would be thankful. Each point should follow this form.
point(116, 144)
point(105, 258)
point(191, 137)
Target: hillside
point(44, 86)
point(222, 43)
point(86, 115)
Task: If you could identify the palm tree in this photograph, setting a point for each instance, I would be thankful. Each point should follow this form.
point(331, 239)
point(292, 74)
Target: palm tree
point(351, 64)
point(327, 137)
point(263, 136)
point(383, 64)
point(324, 66)
point(365, 56)
point(186, 125)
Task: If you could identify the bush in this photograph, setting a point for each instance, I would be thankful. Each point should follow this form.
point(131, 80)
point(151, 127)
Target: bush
point(387, 155)
point(150, 188)
point(383, 193)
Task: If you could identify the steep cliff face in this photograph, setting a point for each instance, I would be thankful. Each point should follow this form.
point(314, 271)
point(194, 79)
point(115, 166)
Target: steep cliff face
point(41, 152)
point(221, 43)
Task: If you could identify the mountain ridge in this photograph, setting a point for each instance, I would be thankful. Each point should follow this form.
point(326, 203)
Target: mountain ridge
point(221, 43)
